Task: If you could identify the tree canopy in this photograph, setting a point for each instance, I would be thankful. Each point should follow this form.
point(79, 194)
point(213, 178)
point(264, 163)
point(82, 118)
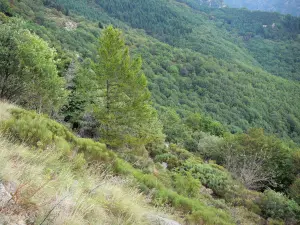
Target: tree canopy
point(124, 103)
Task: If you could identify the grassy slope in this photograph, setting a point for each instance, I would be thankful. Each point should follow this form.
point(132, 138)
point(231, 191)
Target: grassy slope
point(4, 110)
point(88, 196)
point(50, 169)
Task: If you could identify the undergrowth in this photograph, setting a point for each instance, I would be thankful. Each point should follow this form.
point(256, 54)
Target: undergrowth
point(48, 189)
point(44, 134)
point(55, 156)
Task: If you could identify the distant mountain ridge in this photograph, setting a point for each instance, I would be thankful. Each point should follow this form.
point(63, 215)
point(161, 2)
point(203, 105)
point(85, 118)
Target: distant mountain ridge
point(213, 3)
point(282, 6)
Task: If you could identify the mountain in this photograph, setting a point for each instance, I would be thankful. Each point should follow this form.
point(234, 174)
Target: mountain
point(148, 112)
point(221, 61)
point(239, 67)
point(212, 3)
point(283, 6)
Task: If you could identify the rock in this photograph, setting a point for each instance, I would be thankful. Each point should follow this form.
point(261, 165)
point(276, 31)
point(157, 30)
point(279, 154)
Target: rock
point(158, 220)
point(4, 196)
point(11, 187)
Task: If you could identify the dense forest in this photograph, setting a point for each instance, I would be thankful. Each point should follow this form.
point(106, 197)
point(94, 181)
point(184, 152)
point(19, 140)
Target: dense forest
point(195, 107)
point(282, 6)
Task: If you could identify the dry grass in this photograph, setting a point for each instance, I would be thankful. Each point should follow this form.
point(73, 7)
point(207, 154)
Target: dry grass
point(46, 189)
point(4, 110)
point(44, 184)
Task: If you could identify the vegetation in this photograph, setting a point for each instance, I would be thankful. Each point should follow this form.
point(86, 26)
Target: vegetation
point(123, 108)
point(48, 187)
point(29, 74)
point(269, 5)
point(206, 127)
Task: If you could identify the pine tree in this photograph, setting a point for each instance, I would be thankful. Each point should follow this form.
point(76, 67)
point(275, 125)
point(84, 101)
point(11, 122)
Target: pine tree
point(124, 105)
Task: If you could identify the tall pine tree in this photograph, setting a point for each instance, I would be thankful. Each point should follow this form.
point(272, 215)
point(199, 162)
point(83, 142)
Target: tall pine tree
point(124, 105)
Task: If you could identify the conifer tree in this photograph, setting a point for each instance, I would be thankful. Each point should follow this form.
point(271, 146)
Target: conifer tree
point(124, 107)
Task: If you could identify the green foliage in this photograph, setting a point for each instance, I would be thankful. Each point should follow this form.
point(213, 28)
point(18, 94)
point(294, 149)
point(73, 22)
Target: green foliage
point(214, 63)
point(278, 206)
point(275, 222)
point(5, 7)
point(199, 123)
point(266, 157)
point(29, 74)
point(43, 133)
point(186, 184)
point(171, 160)
point(160, 20)
point(189, 130)
point(294, 190)
point(11, 73)
point(124, 107)
point(268, 5)
point(44, 89)
point(79, 77)
point(211, 176)
point(188, 79)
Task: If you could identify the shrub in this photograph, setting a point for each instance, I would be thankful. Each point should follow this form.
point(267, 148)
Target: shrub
point(212, 177)
point(258, 160)
point(277, 206)
point(168, 158)
point(37, 130)
point(275, 222)
point(186, 184)
point(41, 132)
point(181, 153)
point(294, 190)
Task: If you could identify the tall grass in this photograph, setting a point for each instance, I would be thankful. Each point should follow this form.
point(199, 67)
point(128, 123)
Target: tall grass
point(47, 136)
point(51, 192)
point(4, 110)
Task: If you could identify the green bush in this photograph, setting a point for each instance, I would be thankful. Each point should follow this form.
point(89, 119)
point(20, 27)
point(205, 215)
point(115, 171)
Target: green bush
point(275, 222)
point(277, 206)
point(272, 157)
point(181, 153)
point(168, 158)
point(186, 184)
point(210, 176)
point(43, 133)
point(294, 190)
point(37, 130)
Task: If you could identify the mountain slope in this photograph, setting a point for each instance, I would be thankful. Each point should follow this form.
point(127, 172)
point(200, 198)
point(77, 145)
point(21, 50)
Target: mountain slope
point(214, 72)
point(63, 179)
point(204, 171)
point(47, 187)
point(282, 6)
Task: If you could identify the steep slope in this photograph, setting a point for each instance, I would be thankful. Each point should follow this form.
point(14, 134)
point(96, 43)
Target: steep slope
point(213, 72)
point(45, 187)
point(200, 173)
point(62, 179)
point(270, 38)
point(282, 6)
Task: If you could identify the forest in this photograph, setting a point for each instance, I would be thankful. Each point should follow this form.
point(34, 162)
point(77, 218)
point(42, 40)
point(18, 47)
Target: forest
point(195, 109)
point(282, 6)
